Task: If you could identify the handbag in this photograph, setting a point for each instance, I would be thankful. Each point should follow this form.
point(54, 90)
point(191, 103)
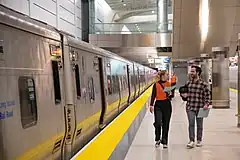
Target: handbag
point(182, 90)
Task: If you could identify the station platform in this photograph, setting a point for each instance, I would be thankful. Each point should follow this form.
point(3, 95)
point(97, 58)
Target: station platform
point(221, 137)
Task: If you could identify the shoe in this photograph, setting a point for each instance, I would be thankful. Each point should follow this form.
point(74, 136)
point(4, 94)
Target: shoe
point(157, 144)
point(199, 144)
point(165, 146)
point(190, 144)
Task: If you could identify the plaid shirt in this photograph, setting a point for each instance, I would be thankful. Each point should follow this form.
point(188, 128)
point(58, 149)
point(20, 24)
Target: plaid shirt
point(198, 95)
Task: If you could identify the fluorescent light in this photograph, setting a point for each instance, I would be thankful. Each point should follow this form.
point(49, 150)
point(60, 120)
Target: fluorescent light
point(152, 11)
point(124, 4)
point(204, 18)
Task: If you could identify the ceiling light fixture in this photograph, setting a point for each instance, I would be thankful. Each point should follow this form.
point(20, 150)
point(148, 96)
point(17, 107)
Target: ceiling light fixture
point(152, 11)
point(124, 4)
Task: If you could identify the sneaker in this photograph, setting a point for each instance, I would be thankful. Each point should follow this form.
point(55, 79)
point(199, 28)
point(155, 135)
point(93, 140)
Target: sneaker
point(165, 146)
point(157, 144)
point(199, 144)
point(190, 144)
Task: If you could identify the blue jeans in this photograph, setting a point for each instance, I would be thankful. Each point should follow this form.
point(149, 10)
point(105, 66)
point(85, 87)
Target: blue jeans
point(192, 115)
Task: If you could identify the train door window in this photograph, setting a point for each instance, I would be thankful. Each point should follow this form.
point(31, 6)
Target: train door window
point(121, 83)
point(117, 84)
point(125, 82)
point(28, 104)
point(114, 84)
point(56, 82)
point(133, 80)
point(77, 79)
point(109, 83)
point(91, 90)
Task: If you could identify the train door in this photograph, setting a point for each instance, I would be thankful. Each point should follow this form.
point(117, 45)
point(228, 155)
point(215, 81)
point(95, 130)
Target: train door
point(124, 90)
point(138, 81)
point(70, 68)
point(87, 95)
point(134, 79)
point(118, 84)
point(102, 91)
point(59, 99)
point(129, 84)
point(145, 77)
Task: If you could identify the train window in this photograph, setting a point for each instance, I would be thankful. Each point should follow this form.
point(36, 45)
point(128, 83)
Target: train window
point(113, 84)
point(117, 84)
point(133, 80)
point(28, 104)
point(77, 78)
point(125, 82)
point(91, 89)
point(109, 83)
point(121, 86)
point(56, 82)
point(83, 64)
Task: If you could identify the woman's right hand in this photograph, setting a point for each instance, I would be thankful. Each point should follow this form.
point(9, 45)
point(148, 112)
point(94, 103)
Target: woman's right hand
point(151, 109)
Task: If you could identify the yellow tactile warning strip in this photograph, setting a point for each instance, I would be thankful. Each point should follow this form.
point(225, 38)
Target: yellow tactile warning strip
point(102, 146)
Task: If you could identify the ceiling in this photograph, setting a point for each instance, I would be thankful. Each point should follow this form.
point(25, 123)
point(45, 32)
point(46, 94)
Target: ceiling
point(130, 5)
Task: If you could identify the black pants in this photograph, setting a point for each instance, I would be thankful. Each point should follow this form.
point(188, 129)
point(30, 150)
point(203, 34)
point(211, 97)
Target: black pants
point(173, 91)
point(162, 116)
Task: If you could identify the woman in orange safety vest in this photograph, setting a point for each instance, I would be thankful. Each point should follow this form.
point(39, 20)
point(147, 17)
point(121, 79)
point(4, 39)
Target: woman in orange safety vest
point(173, 83)
point(162, 108)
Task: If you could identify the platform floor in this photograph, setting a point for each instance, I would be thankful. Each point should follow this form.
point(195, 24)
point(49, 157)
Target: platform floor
point(221, 139)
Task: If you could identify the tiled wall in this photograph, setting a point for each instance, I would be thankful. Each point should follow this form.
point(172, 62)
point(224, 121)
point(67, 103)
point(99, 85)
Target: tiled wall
point(62, 14)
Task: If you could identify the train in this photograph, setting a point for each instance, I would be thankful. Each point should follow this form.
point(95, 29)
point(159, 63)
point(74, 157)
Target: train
point(58, 92)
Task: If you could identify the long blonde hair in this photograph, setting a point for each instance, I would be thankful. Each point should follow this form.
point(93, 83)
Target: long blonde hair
point(160, 74)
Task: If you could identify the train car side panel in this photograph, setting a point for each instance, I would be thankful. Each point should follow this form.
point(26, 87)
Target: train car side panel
point(30, 95)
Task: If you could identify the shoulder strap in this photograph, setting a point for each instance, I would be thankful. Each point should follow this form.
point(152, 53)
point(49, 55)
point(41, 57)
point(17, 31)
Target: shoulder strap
point(163, 88)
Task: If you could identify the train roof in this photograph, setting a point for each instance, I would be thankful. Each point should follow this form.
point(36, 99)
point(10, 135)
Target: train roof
point(91, 48)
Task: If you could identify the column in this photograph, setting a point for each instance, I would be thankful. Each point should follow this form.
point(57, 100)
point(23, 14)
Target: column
point(238, 81)
point(186, 42)
point(220, 84)
point(162, 15)
point(92, 16)
point(85, 20)
point(206, 66)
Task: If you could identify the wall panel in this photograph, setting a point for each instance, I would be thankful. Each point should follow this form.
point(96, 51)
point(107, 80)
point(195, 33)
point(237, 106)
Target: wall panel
point(62, 14)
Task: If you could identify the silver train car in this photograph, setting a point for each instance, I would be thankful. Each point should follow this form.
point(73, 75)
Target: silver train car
point(57, 92)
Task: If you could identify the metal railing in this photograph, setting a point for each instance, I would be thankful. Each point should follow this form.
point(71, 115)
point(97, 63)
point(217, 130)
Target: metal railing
point(132, 28)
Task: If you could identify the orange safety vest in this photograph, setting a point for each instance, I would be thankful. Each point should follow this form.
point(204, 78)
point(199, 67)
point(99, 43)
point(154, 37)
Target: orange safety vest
point(160, 94)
